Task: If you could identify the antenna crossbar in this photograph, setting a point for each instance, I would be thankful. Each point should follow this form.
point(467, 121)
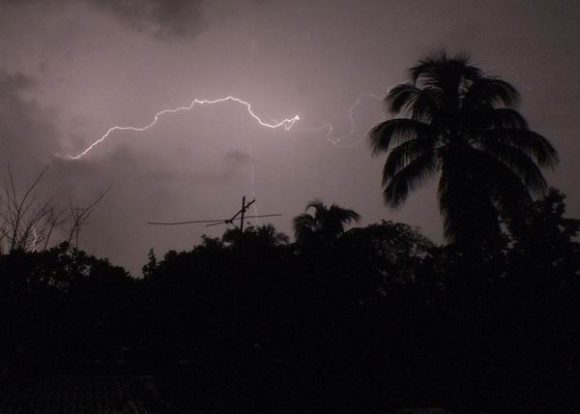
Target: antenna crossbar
point(216, 222)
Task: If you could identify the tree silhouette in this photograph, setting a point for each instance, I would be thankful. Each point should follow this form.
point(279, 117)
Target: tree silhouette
point(325, 225)
point(260, 237)
point(461, 124)
point(545, 251)
point(376, 317)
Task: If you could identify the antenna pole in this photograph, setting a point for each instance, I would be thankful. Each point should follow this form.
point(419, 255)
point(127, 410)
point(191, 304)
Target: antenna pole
point(244, 207)
point(232, 220)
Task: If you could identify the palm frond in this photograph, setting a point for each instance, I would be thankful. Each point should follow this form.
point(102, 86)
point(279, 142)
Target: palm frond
point(395, 131)
point(407, 179)
point(327, 223)
point(427, 103)
point(304, 225)
point(401, 98)
point(428, 65)
point(343, 215)
point(518, 162)
point(507, 118)
point(530, 142)
point(403, 154)
point(506, 187)
point(493, 91)
point(316, 204)
point(445, 72)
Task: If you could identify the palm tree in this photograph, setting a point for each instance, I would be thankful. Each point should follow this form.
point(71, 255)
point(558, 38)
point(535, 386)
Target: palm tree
point(325, 225)
point(461, 125)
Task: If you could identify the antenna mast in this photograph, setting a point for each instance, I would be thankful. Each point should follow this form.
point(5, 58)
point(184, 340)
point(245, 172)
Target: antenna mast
point(209, 223)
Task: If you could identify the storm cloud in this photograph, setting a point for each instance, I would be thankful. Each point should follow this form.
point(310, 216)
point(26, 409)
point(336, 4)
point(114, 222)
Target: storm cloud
point(26, 131)
point(166, 19)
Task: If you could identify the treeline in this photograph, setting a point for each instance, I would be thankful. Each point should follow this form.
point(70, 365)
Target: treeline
point(376, 317)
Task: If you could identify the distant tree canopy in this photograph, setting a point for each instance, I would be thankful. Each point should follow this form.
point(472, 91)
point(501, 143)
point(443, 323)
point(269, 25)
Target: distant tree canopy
point(374, 316)
point(260, 237)
point(324, 225)
point(461, 125)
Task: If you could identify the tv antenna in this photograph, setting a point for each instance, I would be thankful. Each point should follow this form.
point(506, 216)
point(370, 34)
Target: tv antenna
point(216, 222)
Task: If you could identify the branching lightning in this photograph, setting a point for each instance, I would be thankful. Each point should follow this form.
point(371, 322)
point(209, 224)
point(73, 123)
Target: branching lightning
point(329, 128)
point(344, 140)
point(285, 123)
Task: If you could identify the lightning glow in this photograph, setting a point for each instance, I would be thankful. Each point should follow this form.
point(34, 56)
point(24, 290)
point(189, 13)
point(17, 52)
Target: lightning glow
point(287, 123)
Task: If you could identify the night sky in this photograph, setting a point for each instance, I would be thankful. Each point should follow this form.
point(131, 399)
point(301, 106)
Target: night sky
point(70, 70)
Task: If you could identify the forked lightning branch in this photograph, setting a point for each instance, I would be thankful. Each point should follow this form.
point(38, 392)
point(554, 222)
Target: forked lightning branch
point(286, 123)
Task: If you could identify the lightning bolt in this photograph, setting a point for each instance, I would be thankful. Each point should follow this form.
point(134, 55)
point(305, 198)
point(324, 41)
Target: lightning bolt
point(34, 242)
point(329, 128)
point(287, 123)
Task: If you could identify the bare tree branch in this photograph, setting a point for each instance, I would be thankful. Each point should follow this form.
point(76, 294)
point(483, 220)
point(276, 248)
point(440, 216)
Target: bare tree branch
point(80, 216)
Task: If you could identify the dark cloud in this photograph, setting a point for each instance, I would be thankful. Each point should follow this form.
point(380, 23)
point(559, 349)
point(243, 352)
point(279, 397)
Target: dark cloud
point(237, 157)
point(28, 136)
point(164, 18)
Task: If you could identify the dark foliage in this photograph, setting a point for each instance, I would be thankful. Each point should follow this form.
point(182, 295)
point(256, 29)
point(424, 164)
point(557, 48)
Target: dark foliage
point(380, 318)
point(367, 319)
point(461, 125)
